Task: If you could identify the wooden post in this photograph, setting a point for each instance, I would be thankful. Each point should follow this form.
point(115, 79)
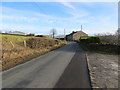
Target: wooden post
point(25, 43)
point(12, 44)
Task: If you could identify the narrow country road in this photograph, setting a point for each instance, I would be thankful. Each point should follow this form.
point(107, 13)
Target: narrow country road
point(65, 67)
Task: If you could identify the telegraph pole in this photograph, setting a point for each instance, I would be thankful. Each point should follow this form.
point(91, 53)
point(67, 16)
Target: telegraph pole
point(81, 27)
point(64, 32)
point(64, 35)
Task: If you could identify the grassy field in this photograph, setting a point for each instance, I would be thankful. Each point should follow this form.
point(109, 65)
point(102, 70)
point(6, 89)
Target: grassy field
point(19, 49)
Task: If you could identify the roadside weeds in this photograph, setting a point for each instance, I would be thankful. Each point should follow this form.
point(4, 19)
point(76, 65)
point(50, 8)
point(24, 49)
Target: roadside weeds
point(17, 50)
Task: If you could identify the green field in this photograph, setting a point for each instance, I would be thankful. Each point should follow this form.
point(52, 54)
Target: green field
point(16, 35)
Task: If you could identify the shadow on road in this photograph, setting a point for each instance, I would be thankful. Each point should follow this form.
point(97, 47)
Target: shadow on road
point(76, 75)
point(71, 47)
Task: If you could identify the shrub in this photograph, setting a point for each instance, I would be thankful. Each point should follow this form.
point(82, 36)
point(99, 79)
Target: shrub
point(84, 40)
point(40, 36)
point(108, 38)
point(90, 40)
point(30, 34)
point(93, 40)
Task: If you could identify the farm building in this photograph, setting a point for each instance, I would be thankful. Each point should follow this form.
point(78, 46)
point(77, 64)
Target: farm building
point(61, 37)
point(75, 36)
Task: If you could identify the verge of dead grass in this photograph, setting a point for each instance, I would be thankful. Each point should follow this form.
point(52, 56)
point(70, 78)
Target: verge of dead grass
point(17, 53)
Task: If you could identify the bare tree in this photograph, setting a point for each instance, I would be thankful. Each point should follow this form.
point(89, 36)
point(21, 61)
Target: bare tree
point(117, 34)
point(110, 38)
point(53, 32)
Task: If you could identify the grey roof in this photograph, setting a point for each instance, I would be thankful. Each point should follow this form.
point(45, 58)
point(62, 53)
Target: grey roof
point(62, 36)
point(76, 32)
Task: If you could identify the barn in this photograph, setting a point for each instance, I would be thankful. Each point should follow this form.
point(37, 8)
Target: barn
point(75, 36)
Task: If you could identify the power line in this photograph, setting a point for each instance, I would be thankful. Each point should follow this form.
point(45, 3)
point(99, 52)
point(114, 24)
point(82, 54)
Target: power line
point(36, 4)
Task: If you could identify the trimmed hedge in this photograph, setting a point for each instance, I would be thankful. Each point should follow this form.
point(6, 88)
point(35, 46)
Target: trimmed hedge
point(90, 40)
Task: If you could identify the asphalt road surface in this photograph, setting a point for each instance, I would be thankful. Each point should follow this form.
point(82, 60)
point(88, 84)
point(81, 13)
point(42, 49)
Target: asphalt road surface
point(62, 68)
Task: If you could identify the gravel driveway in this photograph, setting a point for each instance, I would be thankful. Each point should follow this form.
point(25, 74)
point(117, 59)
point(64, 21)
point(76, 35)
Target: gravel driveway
point(103, 70)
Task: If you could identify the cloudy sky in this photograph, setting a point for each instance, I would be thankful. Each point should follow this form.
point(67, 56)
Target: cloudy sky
point(41, 17)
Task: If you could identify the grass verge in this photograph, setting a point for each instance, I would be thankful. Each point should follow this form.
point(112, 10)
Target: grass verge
point(19, 49)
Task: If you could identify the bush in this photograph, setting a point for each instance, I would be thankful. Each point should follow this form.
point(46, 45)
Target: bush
point(40, 36)
point(30, 34)
point(93, 39)
point(108, 38)
point(90, 40)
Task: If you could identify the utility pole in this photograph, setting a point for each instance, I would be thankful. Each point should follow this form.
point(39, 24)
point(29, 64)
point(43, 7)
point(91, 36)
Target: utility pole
point(64, 35)
point(81, 27)
point(64, 32)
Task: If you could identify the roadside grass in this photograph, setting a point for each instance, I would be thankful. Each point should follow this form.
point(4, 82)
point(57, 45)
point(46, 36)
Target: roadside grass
point(16, 50)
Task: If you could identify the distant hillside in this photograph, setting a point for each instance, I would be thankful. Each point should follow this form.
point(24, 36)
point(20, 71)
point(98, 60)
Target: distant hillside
point(18, 33)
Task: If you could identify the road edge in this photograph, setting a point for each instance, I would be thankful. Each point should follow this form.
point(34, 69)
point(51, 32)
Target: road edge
point(30, 60)
point(90, 73)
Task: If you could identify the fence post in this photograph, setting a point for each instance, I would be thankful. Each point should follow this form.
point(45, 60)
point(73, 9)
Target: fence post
point(12, 44)
point(25, 43)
